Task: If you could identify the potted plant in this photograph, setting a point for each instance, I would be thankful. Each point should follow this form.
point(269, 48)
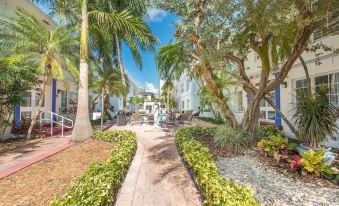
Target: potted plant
point(315, 118)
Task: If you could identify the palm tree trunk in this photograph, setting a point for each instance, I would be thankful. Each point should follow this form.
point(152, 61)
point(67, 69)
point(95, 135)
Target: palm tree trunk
point(41, 101)
point(82, 127)
point(122, 71)
point(308, 78)
point(168, 98)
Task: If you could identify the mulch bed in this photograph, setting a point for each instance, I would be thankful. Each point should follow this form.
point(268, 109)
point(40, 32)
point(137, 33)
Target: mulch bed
point(41, 182)
point(13, 144)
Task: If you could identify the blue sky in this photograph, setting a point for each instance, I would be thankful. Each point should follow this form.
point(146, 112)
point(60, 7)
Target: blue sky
point(162, 25)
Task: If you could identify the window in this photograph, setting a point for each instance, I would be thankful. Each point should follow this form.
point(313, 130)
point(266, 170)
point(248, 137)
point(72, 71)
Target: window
point(329, 25)
point(63, 102)
point(37, 98)
point(182, 88)
point(187, 85)
point(263, 114)
point(25, 116)
point(331, 81)
point(182, 105)
point(301, 86)
point(188, 104)
point(236, 101)
point(27, 101)
point(271, 115)
point(264, 103)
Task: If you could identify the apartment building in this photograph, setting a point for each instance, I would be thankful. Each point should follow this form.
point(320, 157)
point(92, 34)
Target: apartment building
point(185, 94)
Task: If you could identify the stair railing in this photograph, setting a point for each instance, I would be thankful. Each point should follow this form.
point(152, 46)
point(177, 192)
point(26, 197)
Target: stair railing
point(52, 120)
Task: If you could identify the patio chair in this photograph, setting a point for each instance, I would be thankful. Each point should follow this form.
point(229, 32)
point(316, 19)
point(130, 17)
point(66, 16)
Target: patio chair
point(170, 119)
point(135, 118)
point(187, 117)
point(150, 119)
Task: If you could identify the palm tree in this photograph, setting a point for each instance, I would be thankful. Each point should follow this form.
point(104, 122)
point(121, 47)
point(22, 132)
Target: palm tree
point(105, 77)
point(27, 37)
point(91, 15)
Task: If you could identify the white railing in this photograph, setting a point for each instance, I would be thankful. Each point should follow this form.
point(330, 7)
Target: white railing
point(52, 121)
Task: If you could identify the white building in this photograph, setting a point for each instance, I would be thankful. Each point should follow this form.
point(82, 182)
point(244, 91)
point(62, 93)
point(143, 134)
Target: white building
point(185, 94)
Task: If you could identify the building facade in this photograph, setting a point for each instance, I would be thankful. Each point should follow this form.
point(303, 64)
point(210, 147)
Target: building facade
point(185, 94)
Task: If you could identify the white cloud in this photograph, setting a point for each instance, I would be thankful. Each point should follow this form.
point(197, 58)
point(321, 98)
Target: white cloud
point(156, 15)
point(149, 87)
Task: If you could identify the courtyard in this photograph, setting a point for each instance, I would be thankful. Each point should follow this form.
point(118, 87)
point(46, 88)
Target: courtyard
point(169, 102)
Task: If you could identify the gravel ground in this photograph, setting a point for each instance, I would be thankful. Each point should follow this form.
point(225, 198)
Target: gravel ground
point(272, 188)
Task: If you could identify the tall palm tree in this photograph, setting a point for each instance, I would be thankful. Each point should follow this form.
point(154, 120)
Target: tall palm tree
point(139, 40)
point(27, 37)
point(90, 15)
point(105, 77)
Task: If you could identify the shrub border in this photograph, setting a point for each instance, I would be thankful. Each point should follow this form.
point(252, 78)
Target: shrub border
point(216, 190)
point(100, 184)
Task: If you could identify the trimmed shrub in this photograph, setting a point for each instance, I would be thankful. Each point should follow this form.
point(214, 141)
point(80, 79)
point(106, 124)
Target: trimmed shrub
point(100, 184)
point(226, 136)
point(264, 131)
point(217, 191)
point(217, 120)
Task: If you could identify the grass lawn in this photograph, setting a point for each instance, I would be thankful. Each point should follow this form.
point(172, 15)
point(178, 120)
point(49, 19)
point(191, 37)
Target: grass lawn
point(40, 183)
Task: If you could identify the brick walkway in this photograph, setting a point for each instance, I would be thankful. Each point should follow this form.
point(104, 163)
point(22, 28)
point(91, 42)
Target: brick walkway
point(157, 176)
point(13, 161)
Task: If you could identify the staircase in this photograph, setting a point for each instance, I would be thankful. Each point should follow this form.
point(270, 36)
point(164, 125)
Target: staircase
point(56, 125)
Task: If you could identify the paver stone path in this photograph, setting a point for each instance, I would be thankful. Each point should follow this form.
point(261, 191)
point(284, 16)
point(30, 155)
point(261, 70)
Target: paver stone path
point(157, 176)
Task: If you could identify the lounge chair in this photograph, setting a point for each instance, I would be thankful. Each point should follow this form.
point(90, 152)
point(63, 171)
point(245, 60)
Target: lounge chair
point(150, 119)
point(187, 117)
point(135, 118)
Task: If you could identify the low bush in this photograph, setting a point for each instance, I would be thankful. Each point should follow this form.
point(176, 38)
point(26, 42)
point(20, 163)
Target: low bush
point(217, 191)
point(313, 163)
point(264, 131)
point(226, 136)
point(217, 120)
point(276, 145)
point(101, 182)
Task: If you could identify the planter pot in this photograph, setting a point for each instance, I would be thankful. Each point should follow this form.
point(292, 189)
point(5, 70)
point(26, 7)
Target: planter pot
point(329, 157)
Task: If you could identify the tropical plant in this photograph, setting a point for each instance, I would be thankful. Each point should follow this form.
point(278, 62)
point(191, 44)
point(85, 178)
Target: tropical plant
point(296, 164)
point(17, 78)
point(226, 136)
point(105, 79)
point(141, 39)
point(28, 38)
point(137, 100)
point(313, 163)
point(274, 145)
point(209, 37)
point(264, 131)
point(315, 116)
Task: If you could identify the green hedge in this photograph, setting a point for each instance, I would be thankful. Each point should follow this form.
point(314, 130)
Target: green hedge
point(212, 120)
point(217, 191)
point(101, 182)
